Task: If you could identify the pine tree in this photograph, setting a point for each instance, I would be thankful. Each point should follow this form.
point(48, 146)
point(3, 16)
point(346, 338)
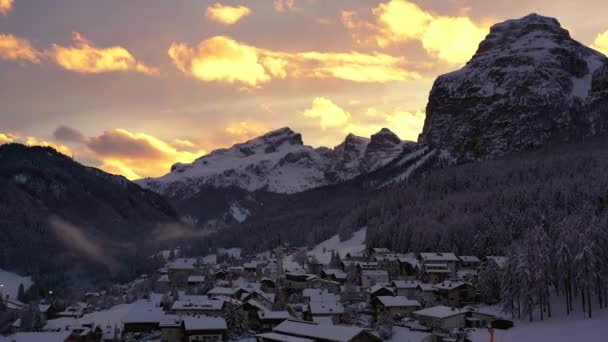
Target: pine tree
point(21, 294)
point(234, 322)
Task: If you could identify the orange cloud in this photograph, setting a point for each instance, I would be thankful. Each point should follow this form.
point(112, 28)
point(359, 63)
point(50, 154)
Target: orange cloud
point(450, 39)
point(138, 155)
point(601, 43)
point(6, 138)
point(85, 58)
point(5, 6)
point(220, 59)
point(284, 5)
point(330, 115)
point(14, 49)
point(227, 15)
point(226, 60)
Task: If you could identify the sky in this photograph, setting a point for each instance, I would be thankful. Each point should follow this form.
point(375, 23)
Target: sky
point(133, 86)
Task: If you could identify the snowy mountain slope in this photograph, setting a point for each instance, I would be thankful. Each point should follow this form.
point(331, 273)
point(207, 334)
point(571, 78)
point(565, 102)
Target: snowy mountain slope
point(11, 282)
point(528, 83)
point(323, 251)
point(279, 162)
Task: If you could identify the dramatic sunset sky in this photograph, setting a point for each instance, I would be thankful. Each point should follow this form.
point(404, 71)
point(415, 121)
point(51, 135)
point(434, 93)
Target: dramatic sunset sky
point(132, 86)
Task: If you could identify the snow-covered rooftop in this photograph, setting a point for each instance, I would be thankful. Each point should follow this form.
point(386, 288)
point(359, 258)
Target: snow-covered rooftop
point(397, 301)
point(204, 323)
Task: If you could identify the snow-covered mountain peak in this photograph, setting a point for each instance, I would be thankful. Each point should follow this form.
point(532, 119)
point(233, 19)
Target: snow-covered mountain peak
point(279, 162)
point(525, 85)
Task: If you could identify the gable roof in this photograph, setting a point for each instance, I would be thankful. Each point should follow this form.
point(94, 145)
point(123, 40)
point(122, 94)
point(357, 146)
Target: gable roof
point(438, 257)
point(440, 311)
point(397, 301)
point(326, 308)
point(334, 333)
point(204, 323)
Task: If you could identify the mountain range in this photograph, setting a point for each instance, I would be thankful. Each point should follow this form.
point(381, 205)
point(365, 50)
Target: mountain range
point(529, 86)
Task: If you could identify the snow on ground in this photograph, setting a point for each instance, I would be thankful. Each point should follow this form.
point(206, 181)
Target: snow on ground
point(322, 252)
point(401, 334)
point(239, 213)
point(11, 282)
point(559, 328)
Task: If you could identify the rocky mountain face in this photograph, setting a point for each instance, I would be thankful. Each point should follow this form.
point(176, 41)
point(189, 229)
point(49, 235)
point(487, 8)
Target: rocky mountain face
point(279, 162)
point(81, 221)
point(528, 83)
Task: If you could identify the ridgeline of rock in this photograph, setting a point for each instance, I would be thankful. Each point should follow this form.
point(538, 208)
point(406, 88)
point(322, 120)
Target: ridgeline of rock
point(528, 83)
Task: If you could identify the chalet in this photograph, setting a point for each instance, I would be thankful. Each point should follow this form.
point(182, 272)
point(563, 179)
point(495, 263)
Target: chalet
point(334, 310)
point(469, 261)
point(318, 283)
point(171, 329)
point(334, 275)
point(379, 252)
point(196, 281)
point(221, 274)
point(222, 291)
point(296, 281)
point(270, 319)
point(204, 328)
point(299, 331)
point(143, 320)
point(441, 317)
point(249, 311)
point(448, 259)
point(436, 273)
point(395, 306)
point(163, 283)
point(379, 290)
point(455, 293)
point(319, 295)
point(425, 294)
point(266, 299)
point(445, 318)
point(373, 277)
point(267, 283)
point(210, 307)
point(180, 269)
point(407, 288)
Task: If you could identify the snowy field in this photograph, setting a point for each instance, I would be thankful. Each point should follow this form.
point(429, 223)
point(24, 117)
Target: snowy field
point(11, 282)
point(559, 328)
point(324, 250)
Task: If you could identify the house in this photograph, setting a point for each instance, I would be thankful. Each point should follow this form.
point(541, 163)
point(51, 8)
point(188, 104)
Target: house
point(180, 269)
point(267, 283)
point(209, 307)
point(319, 295)
point(270, 319)
point(318, 283)
point(373, 277)
point(469, 261)
point(379, 252)
point(378, 290)
point(222, 291)
point(425, 294)
point(407, 288)
point(266, 299)
point(334, 275)
point(334, 310)
point(436, 273)
point(196, 281)
point(299, 331)
point(296, 281)
point(455, 293)
point(249, 311)
point(445, 318)
point(450, 260)
point(395, 306)
point(143, 320)
point(204, 328)
point(171, 329)
point(441, 317)
point(76, 310)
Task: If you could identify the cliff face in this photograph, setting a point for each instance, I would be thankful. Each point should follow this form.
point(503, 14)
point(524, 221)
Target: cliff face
point(528, 83)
